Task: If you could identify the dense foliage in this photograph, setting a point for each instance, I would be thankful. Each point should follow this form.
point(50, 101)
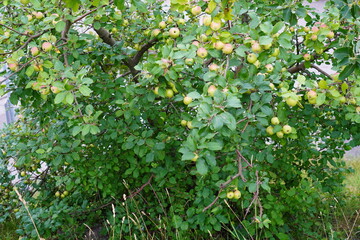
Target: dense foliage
point(203, 118)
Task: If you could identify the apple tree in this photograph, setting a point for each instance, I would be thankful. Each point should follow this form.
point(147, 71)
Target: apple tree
point(181, 118)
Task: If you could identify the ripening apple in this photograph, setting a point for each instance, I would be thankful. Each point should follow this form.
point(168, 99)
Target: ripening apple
point(155, 32)
point(183, 123)
point(196, 10)
point(213, 67)
point(202, 52)
point(314, 37)
point(330, 35)
point(55, 89)
point(272, 86)
point(29, 17)
point(57, 194)
point(292, 29)
point(211, 90)
point(291, 101)
point(7, 34)
point(306, 29)
point(319, 51)
point(189, 125)
point(230, 195)
point(237, 194)
point(255, 47)
point(270, 130)
point(311, 94)
point(307, 57)
point(286, 129)
point(187, 100)
point(23, 173)
point(169, 93)
point(24, 1)
point(34, 51)
point(66, 193)
point(269, 68)
point(181, 21)
point(251, 58)
point(196, 43)
point(342, 99)
point(280, 134)
point(358, 110)
point(46, 46)
point(228, 48)
point(194, 159)
point(215, 26)
point(203, 38)
point(38, 15)
point(207, 20)
point(314, 29)
point(219, 45)
point(275, 121)
point(162, 24)
point(312, 100)
point(189, 61)
point(174, 32)
point(62, 195)
point(37, 67)
point(13, 66)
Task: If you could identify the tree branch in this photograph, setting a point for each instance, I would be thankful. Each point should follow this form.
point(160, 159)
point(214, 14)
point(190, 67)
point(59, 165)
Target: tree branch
point(141, 188)
point(22, 66)
point(321, 71)
point(10, 28)
point(224, 185)
point(105, 36)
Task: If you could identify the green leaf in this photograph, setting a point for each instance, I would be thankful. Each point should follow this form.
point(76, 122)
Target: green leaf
point(94, 129)
point(60, 97)
point(255, 21)
point(347, 71)
point(120, 4)
point(217, 122)
point(252, 187)
point(321, 98)
point(85, 90)
point(60, 26)
point(201, 167)
point(278, 26)
point(69, 98)
point(76, 130)
point(229, 120)
point(73, 4)
point(149, 157)
point(266, 27)
point(233, 102)
point(215, 146)
point(265, 40)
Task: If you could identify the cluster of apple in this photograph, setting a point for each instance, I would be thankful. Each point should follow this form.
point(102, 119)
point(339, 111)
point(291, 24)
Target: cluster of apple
point(285, 129)
point(58, 194)
point(233, 194)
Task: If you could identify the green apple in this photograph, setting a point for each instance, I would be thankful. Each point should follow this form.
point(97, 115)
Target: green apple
point(257, 63)
point(162, 24)
point(174, 32)
point(57, 194)
point(312, 100)
point(169, 93)
point(228, 48)
point(251, 58)
point(237, 194)
point(23, 173)
point(196, 10)
point(291, 101)
point(189, 125)
point(267, 46)
point(38, 15)
point(211, 90)
point(280, 134)
point(194, 159)
point(307, 57)
point(29, 17)
point(187, 100)
point(207, 20)
point(286, 129)
point(215, 26)
point(181, 21)
point(183, 123)
point(62, 195)
point(24, 1)
point(202, 52)
point(189, 61)
point(66, 193)
point(230, 195)
point(275, 121)
point(306, 29)
point(342, 99)
point(270, 130)
point(276, 52)
point(46, 46)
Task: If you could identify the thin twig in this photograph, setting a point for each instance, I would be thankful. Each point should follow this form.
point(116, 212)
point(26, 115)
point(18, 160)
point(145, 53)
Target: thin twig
point(10, 28)
point(22, 66)
point(321, 71)
point(141, 188)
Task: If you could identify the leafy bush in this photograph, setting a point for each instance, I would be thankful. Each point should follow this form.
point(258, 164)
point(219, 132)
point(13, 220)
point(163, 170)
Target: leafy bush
point(130, 128)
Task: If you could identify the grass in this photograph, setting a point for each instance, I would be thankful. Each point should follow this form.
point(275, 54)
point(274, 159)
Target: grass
point(7, 230)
